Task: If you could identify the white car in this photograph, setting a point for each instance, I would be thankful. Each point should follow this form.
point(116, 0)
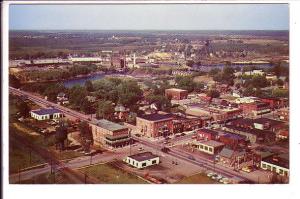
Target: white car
point(210, 174)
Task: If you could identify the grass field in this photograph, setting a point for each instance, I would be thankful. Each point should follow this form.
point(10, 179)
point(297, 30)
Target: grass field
point(199, 178)
point(19, 157)
point(106, 174)
point(48, 178)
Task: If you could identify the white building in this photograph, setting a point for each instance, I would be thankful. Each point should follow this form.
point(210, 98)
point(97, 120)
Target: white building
point(46, 114)
point(142, 160)
point(211, 147)
point(245, 100)
point(276, 163)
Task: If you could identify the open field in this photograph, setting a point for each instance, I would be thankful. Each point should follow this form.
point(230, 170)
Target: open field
point(199, 178)
point(48, 178)
point(109, 175)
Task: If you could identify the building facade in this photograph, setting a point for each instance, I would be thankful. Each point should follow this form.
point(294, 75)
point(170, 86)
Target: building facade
point(155, 125)
point(176, 94)
point(110, 134)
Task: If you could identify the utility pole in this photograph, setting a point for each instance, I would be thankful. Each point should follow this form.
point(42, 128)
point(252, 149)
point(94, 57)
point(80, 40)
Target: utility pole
point(19, 175)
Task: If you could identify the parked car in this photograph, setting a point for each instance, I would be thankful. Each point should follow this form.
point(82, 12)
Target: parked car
point(247, 169)
point(191, 157)
point(182, 134)
point(140, 149)
point(210, 174)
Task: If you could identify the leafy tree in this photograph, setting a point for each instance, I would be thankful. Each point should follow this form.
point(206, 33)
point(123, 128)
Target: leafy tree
point(23, 108)
point(77, 95)
point(249, 91)
point(61, 135)
point(89, 86)
point(162, 102)
point(52, 91)
point(280, 82)
point(129, 93)
point(185, 83)
point(105, 109)
point(213, 93)
point(86, 106)
point(85, 135)
point(14, 81)
point(259, 81)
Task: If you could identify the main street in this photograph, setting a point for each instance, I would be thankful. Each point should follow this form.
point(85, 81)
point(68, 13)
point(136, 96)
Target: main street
point(177, 153)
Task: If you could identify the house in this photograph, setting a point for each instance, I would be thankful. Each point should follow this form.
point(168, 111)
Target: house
point(155, 125)
point(62, 98)
point(211, 147)
point(46, 113)
point(176, 94)
point(142, 160)
point(110, 134)
point(91, 99)
point(276, 163)
point(121, 113)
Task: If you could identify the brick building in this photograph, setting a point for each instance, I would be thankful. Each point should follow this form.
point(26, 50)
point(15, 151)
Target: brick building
point(255, 109)
point(155, 125)
point(176, 94)
point(110, 134)
point(186, 123)
point(207, 134)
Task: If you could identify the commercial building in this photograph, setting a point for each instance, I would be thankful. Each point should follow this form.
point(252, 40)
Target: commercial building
point(207, 134)
point(232, 158)
point(110, 134)
point(276, 163)
point(185, 123)
point(176, 94)
point(155, 125)
point(255, 109)
point(210, 147)
point(253, 135)
point(142, 160)
point(218, 113)
point(46, 114)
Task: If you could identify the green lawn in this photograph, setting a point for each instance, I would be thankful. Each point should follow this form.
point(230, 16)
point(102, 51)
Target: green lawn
point(106, 174)
point(199, 178)
point(47, 178)
point(19, 157)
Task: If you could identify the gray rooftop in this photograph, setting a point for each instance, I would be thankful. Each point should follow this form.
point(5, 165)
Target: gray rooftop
point(143, 156)
point(111, 126)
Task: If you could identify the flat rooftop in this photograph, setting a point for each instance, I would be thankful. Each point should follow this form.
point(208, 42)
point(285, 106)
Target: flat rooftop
point(46, 111)
point(111, 126)
point(278, 160)
point(212, 143)
point(143, 156)
point(176, 89)
point(156, 117)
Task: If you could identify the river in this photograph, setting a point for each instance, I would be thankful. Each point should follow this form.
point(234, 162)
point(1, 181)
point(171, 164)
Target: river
point(80, 81)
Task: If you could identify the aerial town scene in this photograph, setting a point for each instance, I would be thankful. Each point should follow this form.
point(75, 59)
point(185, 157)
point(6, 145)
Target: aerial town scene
point(152, 106)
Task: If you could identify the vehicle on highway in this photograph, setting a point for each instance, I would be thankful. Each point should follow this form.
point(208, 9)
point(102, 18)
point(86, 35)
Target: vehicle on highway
point(182, 134)
point(224, 180)
point(191, 157)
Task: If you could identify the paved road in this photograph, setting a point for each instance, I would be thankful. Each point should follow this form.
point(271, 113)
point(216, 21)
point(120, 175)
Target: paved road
point(203, 162)
point(197, 160)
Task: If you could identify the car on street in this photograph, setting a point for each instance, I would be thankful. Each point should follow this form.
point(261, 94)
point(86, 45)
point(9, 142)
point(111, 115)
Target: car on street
point(210, 174)
point(191, 157)
point(140, 149)
point(182, 134)
point(247, 169)
point(165, 150)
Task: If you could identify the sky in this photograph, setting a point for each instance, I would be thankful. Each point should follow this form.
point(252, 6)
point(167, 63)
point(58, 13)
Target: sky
point(150, 17)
